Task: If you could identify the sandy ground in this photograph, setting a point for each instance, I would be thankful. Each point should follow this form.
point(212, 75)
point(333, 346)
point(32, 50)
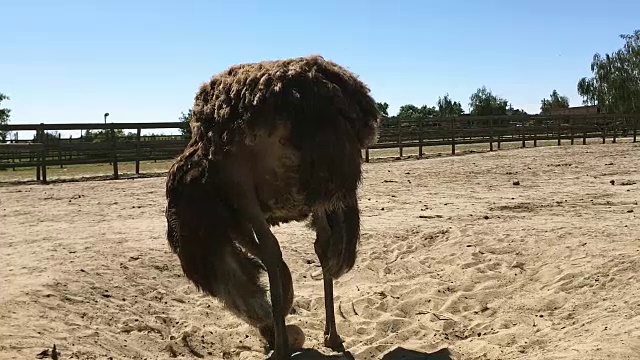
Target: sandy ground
point(455, 261)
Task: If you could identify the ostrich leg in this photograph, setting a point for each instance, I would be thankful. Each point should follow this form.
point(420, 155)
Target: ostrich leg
point(324, 234)
point(331, 338)
point(273, 262)
point(271, 257)
point(248, 241)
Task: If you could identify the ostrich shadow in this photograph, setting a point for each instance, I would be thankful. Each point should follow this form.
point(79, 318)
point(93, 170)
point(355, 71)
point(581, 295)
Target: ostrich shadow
point(398, 353)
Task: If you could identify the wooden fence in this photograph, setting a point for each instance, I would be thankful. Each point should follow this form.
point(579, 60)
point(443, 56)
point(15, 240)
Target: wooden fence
point(46, 150)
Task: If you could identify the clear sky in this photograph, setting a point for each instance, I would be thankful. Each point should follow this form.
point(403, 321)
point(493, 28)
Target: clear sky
point(71, 60)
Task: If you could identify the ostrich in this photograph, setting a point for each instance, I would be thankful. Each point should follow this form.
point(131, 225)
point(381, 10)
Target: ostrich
point(272, 142)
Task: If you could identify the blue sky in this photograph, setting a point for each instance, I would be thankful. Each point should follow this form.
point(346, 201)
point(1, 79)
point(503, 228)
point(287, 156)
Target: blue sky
point(71, 61)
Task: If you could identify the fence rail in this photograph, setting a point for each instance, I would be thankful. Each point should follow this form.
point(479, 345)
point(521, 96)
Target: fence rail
point(46, 150)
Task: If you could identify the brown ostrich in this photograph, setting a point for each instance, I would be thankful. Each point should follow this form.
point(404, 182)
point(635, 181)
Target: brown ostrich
point(272, 142)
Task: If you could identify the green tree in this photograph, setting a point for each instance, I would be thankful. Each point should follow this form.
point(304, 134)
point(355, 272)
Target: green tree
point(428, 111)
point(4, 117)
point(408, 111)
point(513, 111)
point(412, 111)
point(555, 101)
point(185, 130)
point(448, 107)
point(105, 135)
point(383, 108)
point(615, 84)
point(484, 102)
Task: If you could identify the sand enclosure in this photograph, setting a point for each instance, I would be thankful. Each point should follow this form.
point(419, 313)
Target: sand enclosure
point(454, 257)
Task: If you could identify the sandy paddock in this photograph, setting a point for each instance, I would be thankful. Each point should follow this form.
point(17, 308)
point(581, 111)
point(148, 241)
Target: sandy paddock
point(454, 259)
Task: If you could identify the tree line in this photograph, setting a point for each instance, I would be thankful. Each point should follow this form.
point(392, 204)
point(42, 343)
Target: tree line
point(614, 86)
point(481, 103)
point(93, 136)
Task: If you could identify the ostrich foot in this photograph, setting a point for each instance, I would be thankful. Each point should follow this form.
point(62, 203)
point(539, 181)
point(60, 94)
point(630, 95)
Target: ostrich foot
point(334, 342)
point(268, 336)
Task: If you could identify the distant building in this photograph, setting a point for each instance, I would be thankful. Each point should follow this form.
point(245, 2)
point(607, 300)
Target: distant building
point(576, 110)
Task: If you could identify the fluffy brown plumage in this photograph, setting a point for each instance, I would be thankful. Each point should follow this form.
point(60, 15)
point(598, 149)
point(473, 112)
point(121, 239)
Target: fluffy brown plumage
point(315, 94)
point(272, 142)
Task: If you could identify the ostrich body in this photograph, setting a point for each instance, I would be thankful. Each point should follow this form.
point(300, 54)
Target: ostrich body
point(272, 142)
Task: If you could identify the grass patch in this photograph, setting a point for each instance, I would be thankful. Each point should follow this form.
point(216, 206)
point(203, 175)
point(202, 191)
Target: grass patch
point(83, 170)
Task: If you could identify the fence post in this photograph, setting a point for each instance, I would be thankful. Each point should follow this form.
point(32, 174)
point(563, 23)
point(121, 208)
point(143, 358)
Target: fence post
point(604, 133)
point(615, 130)
point(153, 152)
point(635, 128)
point(559, 130)
point(571, 130)
point(584, 132)
point(400, 136)
point(60, 150)
point(453, 136)
point(523, 136)
point(420, 129)
point(39, 156)
point(138, 133)
point(15, 160)
point(45, 153)
point(490, 134)
point(366, 154)
point(70, 149)
point(115, 154)
point(499, 136)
